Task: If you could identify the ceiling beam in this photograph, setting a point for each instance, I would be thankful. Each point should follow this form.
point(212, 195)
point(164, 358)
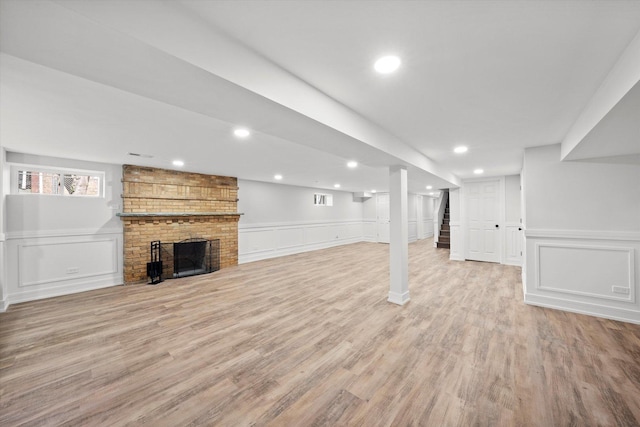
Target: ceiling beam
point(620, 80)
point(190, 36)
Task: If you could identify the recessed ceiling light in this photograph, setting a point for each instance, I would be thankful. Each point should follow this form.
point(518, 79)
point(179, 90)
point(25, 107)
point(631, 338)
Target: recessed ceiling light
point(373, 191)
point(241, 132)
point(478, 171)
point(429, 187)
point(352, 164)
point(336, 185)
point(460, 149)
point(277, 177)
point(387, 64)
point(431, 194)
point(178, 163)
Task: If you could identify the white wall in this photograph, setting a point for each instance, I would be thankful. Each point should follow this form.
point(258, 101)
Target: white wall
point(512, 198)
point(456, 250)
point(412, 217)
point(282, 219)
point(267, 203)
point(57, 245)
point(369, 220)
point(4, 302)
point(580, 195)
point(369, 217)
point(582, 235)
point(427, 217)
point(513, 231)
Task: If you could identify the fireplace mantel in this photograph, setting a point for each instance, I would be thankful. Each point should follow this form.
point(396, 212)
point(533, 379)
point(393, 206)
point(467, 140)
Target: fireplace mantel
point(174, 214)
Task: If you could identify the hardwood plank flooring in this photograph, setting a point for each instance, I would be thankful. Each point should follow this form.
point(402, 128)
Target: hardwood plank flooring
point(309, 340)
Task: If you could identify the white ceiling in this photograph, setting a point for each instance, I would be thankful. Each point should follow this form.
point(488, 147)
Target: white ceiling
point(97, 80)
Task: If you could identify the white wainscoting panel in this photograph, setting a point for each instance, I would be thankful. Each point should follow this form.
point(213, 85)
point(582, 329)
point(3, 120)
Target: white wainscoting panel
point(589, 270)
point(287, 237)
point(260, 240)
point(427, 227)
point(413, 230)
point(43, 267)
point(55, 262)
point(4, 298)
point(595, 276)
point(315, 234)
point(513, 244)
point(370, 230)
point(455, 252)
point(263, 241)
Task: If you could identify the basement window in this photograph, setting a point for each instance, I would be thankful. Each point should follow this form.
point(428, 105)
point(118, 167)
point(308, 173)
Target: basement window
point(320, 199)
point(57, 182)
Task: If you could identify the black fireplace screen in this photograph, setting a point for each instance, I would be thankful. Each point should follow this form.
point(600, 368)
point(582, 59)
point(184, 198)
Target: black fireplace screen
point(180, 259)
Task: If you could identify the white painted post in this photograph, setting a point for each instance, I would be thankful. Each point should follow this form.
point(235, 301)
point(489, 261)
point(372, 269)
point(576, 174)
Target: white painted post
point(399, 236)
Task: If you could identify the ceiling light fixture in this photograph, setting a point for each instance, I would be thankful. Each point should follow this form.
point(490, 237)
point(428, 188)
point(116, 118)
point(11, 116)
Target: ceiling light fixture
point(429, 187)
point(387, 64)
point(431, 194)
point(373, 191)
point(478, 171)
point(336, 185)
point(241, 132)
point(352, 164)
point(461, 149)
point(277, 177)
point(178, 163)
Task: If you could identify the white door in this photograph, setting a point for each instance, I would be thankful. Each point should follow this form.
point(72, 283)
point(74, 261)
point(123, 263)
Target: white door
point(483, 220)
point(382, 214)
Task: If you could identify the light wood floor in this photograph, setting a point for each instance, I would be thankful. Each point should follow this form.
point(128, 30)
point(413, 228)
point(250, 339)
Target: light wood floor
point(310, 340)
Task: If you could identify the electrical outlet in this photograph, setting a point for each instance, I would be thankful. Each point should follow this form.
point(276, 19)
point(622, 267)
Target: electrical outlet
point(73, 270)
point(620, 290)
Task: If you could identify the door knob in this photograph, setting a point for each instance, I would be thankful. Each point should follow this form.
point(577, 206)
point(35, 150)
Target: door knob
point(497, 226)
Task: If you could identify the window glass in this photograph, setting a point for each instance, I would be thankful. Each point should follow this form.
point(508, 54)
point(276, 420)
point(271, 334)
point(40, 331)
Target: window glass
point(32, 181)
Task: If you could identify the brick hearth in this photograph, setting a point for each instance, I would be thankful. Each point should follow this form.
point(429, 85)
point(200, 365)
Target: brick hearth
point(171, 206)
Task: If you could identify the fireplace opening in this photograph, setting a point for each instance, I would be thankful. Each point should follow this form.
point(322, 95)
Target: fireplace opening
point(181, 259)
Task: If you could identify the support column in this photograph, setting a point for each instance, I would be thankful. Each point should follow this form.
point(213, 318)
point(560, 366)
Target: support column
point(399, 236)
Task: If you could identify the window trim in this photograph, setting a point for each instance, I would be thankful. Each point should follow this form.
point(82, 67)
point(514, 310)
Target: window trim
point(328, 198)
point(15, 169)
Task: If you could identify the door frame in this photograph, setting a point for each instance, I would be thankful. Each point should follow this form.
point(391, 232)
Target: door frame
point(501, 215)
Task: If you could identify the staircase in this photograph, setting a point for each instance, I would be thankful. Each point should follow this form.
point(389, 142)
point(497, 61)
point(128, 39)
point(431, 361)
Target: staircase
point(444, 238)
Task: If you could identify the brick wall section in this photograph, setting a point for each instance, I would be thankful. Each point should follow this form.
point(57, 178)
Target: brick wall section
point(152, 190)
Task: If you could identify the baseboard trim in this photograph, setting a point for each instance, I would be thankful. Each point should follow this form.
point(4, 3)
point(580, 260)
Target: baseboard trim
point(4, 305)
point(399, 299)
point(611, 313)
point(275, 253)
point(59, 291)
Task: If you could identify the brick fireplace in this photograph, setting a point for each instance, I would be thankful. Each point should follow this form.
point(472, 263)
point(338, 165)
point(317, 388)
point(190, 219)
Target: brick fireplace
point(172, 206)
